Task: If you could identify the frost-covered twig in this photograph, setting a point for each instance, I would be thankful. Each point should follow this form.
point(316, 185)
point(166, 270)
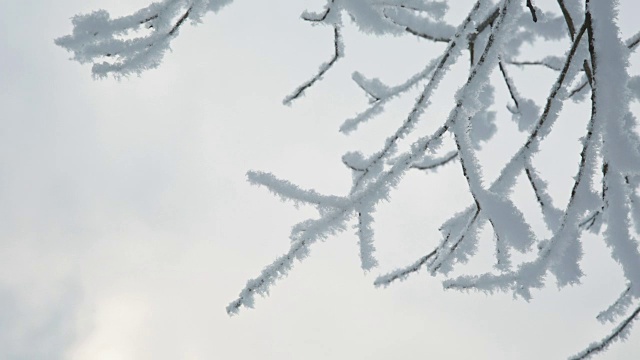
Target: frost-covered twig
point(132, 44)
point(330, 224)
point(380, 100)
point(620, 332)
point(551, 214)
point(568, 20)
point(318, 17)
point(422, 27)
point(446, 251)
point(425, 35)
point(532, 9)
point(338, 51)
point(288, 191)
point(97, 37)
point(517, 163)
point(618, 308)
point(401, 274)
point(550, 62)
point(429, 163)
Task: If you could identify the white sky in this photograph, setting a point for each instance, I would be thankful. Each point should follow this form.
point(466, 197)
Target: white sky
point(128, 226)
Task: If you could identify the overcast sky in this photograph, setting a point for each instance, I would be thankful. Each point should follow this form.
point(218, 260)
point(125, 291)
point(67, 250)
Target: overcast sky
point(127, 225)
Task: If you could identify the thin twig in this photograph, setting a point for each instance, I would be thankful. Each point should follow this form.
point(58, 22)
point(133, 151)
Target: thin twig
point(604, 343)
point(632, 44)
point(180, 22)
point(323, 69)
point(424, 35)
point(434, 163)
point(509, 83)
point(533, 63)
point(323, 16)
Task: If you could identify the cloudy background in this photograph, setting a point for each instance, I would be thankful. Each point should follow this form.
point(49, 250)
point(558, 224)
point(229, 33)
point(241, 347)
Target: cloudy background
point(127, 225)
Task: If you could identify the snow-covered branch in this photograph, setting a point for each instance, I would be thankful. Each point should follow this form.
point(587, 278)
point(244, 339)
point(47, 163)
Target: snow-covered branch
point(620, 332)
point(338, 50)
point(135, 43)
point(492, 35)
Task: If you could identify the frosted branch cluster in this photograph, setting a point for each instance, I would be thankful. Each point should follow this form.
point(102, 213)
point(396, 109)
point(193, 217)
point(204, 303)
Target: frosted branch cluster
point(604, 194)
point(135, 43)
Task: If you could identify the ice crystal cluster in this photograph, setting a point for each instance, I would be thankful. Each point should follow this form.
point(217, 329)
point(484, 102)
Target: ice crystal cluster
point(594, 68)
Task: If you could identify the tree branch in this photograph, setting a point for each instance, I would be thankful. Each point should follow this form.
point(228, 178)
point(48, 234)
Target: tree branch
point(337, 53)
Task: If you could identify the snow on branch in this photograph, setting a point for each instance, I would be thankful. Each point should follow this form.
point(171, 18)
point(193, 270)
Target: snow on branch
point(618, 308)
point(365, 239)
point(431, 163)
point(550, 62)
point(631, 43)
point(318, 17)
point(531, 274)
point(551, 214)
point(330, 224)
point(403, 273)
point(459, 240)
point(135, 43)
point(534, 15)
point(619, 333)
point(382, 94)
point(561, 253)
point(420, 26)
point(609, 57)
point(492, 35)
point(338, 51)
